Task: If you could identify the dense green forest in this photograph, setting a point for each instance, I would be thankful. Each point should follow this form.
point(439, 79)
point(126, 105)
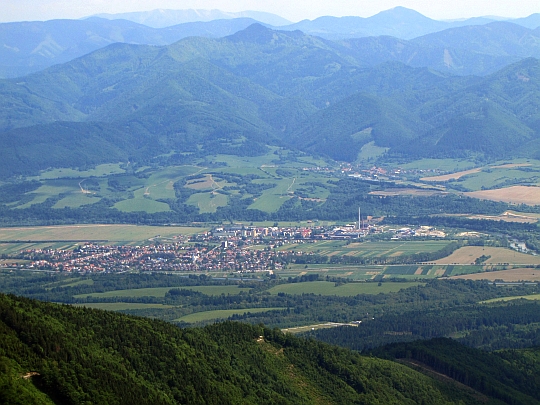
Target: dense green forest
point(52, 353)
point(438, 308)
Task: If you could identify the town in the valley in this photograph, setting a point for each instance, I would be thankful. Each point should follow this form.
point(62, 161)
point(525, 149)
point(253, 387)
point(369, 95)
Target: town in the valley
point(232, 248)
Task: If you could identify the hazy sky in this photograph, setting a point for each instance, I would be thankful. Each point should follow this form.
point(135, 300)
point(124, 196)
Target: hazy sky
point(294, 10)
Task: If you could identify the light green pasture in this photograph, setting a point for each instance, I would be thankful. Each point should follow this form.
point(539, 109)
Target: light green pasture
point(98, 171)
point(446, 165)
point(535, 297)
point(208, 202)
point(76, 200)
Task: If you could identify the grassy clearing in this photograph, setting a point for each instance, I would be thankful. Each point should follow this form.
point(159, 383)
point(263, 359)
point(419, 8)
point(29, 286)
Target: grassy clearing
point(445, 165)
point(369, 151)
point(509, 217)
point(76, 200)
point(220, 314)
point(160, 292)
point(142, 204)
point(51, 189)
point(208, 202)
point(535, 297)
point(244, 161)
point(273, 198)
point(98, 171)
point(323, 270)
point(72, 284)
point(408, 191)
point(218, 289)
point(342, 290)
point(122, 306)
point(307, 328)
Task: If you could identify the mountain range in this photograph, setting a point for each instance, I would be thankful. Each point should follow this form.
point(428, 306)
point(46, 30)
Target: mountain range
point(32, 46)
point(161, 18)
point(257, 87)
point(399, 22)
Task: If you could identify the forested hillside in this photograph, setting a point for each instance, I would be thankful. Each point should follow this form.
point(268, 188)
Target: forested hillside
point(237, 94)
point(59, 354)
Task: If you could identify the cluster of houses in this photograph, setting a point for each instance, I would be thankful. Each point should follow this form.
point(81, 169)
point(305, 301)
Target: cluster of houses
point(236, 248)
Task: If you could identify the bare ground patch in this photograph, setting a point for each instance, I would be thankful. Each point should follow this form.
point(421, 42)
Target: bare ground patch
point(514, 275)
point(529, 195)
point(508, 217)
point(407, 191)
point(468, 254)
point(511, 165)
point(452, 176)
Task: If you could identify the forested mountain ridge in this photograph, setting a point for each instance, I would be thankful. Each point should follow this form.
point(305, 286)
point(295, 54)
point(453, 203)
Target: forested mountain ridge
point(257, 87)
point(399, 22)
point(161, 18)
point(472, 49)
point(35, 45)
point(60, 354)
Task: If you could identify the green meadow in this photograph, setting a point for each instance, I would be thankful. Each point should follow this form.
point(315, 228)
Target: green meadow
point(534, 297)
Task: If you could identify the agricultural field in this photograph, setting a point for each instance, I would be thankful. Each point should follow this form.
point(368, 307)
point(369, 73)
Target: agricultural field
point(498, 256)
point(364, 273)
point(513, 275)
point(342, 290)
point(220, 314)
point(368, 249)
point(529, 195)
point(117, 234)
point(160, 292)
